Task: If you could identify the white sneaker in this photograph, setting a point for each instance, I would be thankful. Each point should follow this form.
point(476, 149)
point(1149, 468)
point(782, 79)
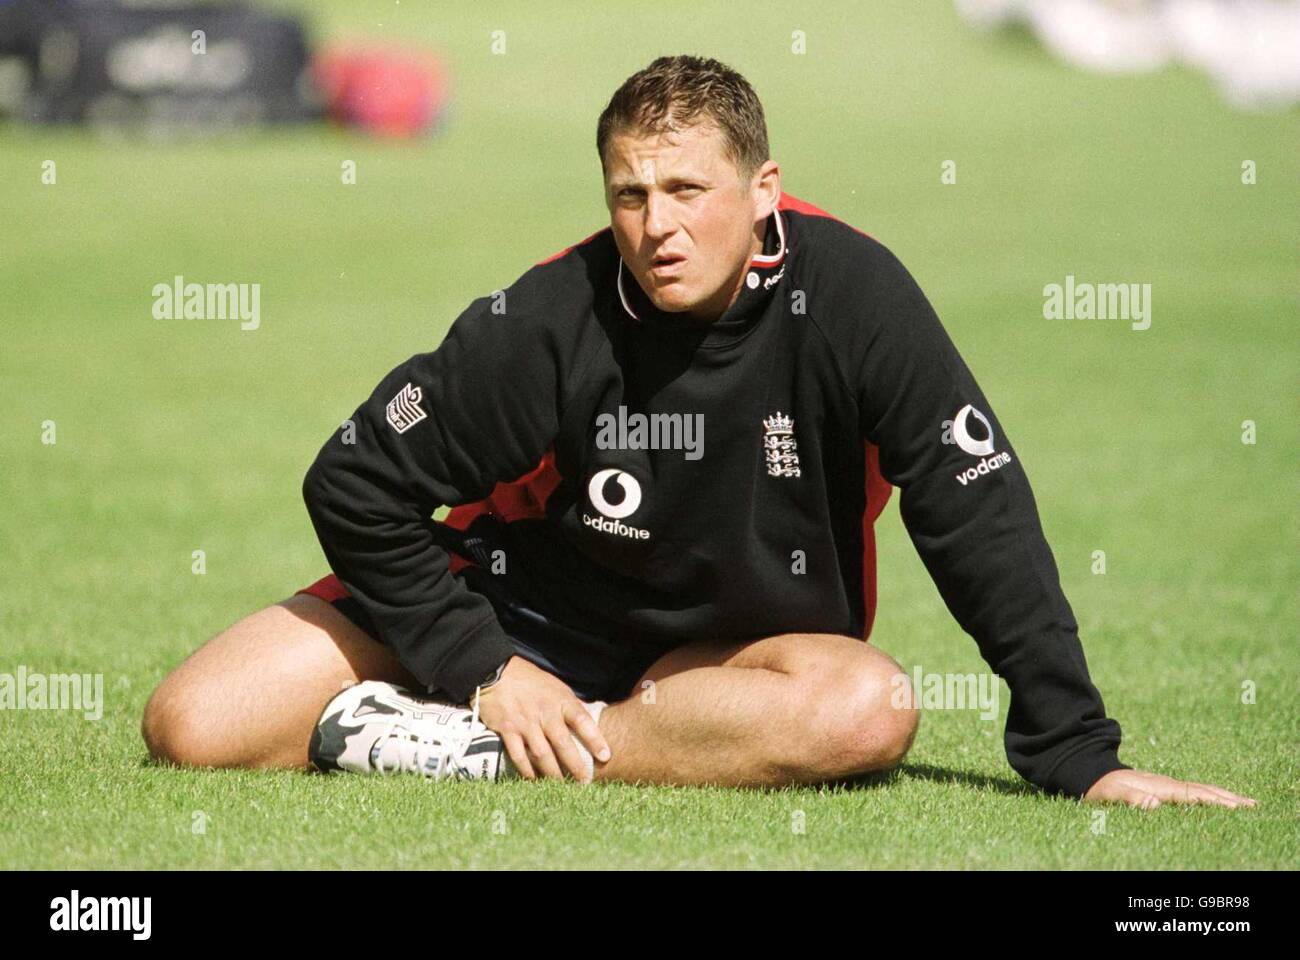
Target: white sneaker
point(375, 727)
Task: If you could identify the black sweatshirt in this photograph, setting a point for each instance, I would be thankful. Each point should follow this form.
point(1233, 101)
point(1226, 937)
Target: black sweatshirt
point(741, 517)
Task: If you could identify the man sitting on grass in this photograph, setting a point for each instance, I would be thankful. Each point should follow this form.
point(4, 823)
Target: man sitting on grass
point(666, 447)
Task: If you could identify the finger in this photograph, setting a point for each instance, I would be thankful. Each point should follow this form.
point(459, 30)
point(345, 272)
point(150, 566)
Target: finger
point(1208, 794)
point(1196, 793)
point(1142, 799)
point(1227, 794)
point(519, 755)
point(1176, 791)
point(539, 750)
point(588, 732)
point(1167, 789)
point(566, 749)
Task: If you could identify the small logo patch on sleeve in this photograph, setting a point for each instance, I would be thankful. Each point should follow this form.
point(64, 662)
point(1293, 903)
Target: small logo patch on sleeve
point(404, 409)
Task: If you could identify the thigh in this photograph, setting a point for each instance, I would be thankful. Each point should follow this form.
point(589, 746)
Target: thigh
point(251, 695)
point(789, 653)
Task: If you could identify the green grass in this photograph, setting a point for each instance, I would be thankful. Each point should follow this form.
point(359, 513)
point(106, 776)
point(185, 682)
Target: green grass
point(177, 436)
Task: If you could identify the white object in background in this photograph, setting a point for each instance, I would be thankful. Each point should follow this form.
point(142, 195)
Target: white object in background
point(1250, 47)
point(1103, 37)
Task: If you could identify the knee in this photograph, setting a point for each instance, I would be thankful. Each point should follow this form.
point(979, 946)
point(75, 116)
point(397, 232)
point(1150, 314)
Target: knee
point(863, 718)
point(171, 726)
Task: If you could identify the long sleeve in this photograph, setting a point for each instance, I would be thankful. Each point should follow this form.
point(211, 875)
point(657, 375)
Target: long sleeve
point(968, 508)
point(441, 429)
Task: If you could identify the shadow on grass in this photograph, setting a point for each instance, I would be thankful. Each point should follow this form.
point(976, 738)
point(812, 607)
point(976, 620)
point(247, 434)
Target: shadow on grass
point(867, 781)
point(924, 771)
point(1005, 785)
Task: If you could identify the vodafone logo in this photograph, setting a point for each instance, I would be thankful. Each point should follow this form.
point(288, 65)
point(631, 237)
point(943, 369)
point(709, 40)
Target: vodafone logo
point(613, 513)
point(631, 494)
point(961, 432)
point(961, 435)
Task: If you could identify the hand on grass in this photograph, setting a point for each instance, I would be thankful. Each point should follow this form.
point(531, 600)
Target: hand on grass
point(1138, 788)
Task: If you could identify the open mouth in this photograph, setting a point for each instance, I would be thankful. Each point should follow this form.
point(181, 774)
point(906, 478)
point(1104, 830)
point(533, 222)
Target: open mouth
point(666, 263)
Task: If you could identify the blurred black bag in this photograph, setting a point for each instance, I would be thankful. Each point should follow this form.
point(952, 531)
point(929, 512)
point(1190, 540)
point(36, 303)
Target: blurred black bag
point(154, 65)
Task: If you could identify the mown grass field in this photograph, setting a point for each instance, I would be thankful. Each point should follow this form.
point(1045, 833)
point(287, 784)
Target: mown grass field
point(175, 436)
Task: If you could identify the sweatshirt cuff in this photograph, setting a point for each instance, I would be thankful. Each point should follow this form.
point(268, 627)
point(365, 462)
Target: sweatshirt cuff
point(472, 660)
point(1075, 775)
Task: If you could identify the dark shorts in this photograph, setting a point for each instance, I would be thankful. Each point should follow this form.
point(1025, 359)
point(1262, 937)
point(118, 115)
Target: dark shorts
point(592, 666)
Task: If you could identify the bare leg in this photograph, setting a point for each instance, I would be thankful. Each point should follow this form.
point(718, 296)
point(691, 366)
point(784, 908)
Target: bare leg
point(795, 708)
point(251, 696)
point(791, 708)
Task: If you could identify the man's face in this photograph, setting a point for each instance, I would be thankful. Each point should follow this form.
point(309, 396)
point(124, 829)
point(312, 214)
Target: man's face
point(685, 222)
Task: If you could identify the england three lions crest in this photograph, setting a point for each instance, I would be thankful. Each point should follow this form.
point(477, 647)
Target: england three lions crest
point(779, 446)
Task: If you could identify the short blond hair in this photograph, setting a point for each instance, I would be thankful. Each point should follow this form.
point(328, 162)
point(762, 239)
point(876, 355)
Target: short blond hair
point(683, 91)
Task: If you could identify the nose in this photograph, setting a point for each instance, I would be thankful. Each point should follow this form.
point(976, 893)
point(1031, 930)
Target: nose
point(658, 218)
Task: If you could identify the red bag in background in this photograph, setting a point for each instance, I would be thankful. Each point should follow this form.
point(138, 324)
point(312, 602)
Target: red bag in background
point(387, 91)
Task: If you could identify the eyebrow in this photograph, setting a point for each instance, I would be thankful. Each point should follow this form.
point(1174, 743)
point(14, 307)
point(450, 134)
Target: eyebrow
point(621, 183)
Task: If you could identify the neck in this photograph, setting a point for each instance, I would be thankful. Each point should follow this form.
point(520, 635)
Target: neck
point(721, 302)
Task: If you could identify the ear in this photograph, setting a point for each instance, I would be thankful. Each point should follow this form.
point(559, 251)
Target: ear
point(765, 190)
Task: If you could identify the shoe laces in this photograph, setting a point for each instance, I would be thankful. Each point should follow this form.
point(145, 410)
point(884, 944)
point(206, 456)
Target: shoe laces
point(414, 753)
